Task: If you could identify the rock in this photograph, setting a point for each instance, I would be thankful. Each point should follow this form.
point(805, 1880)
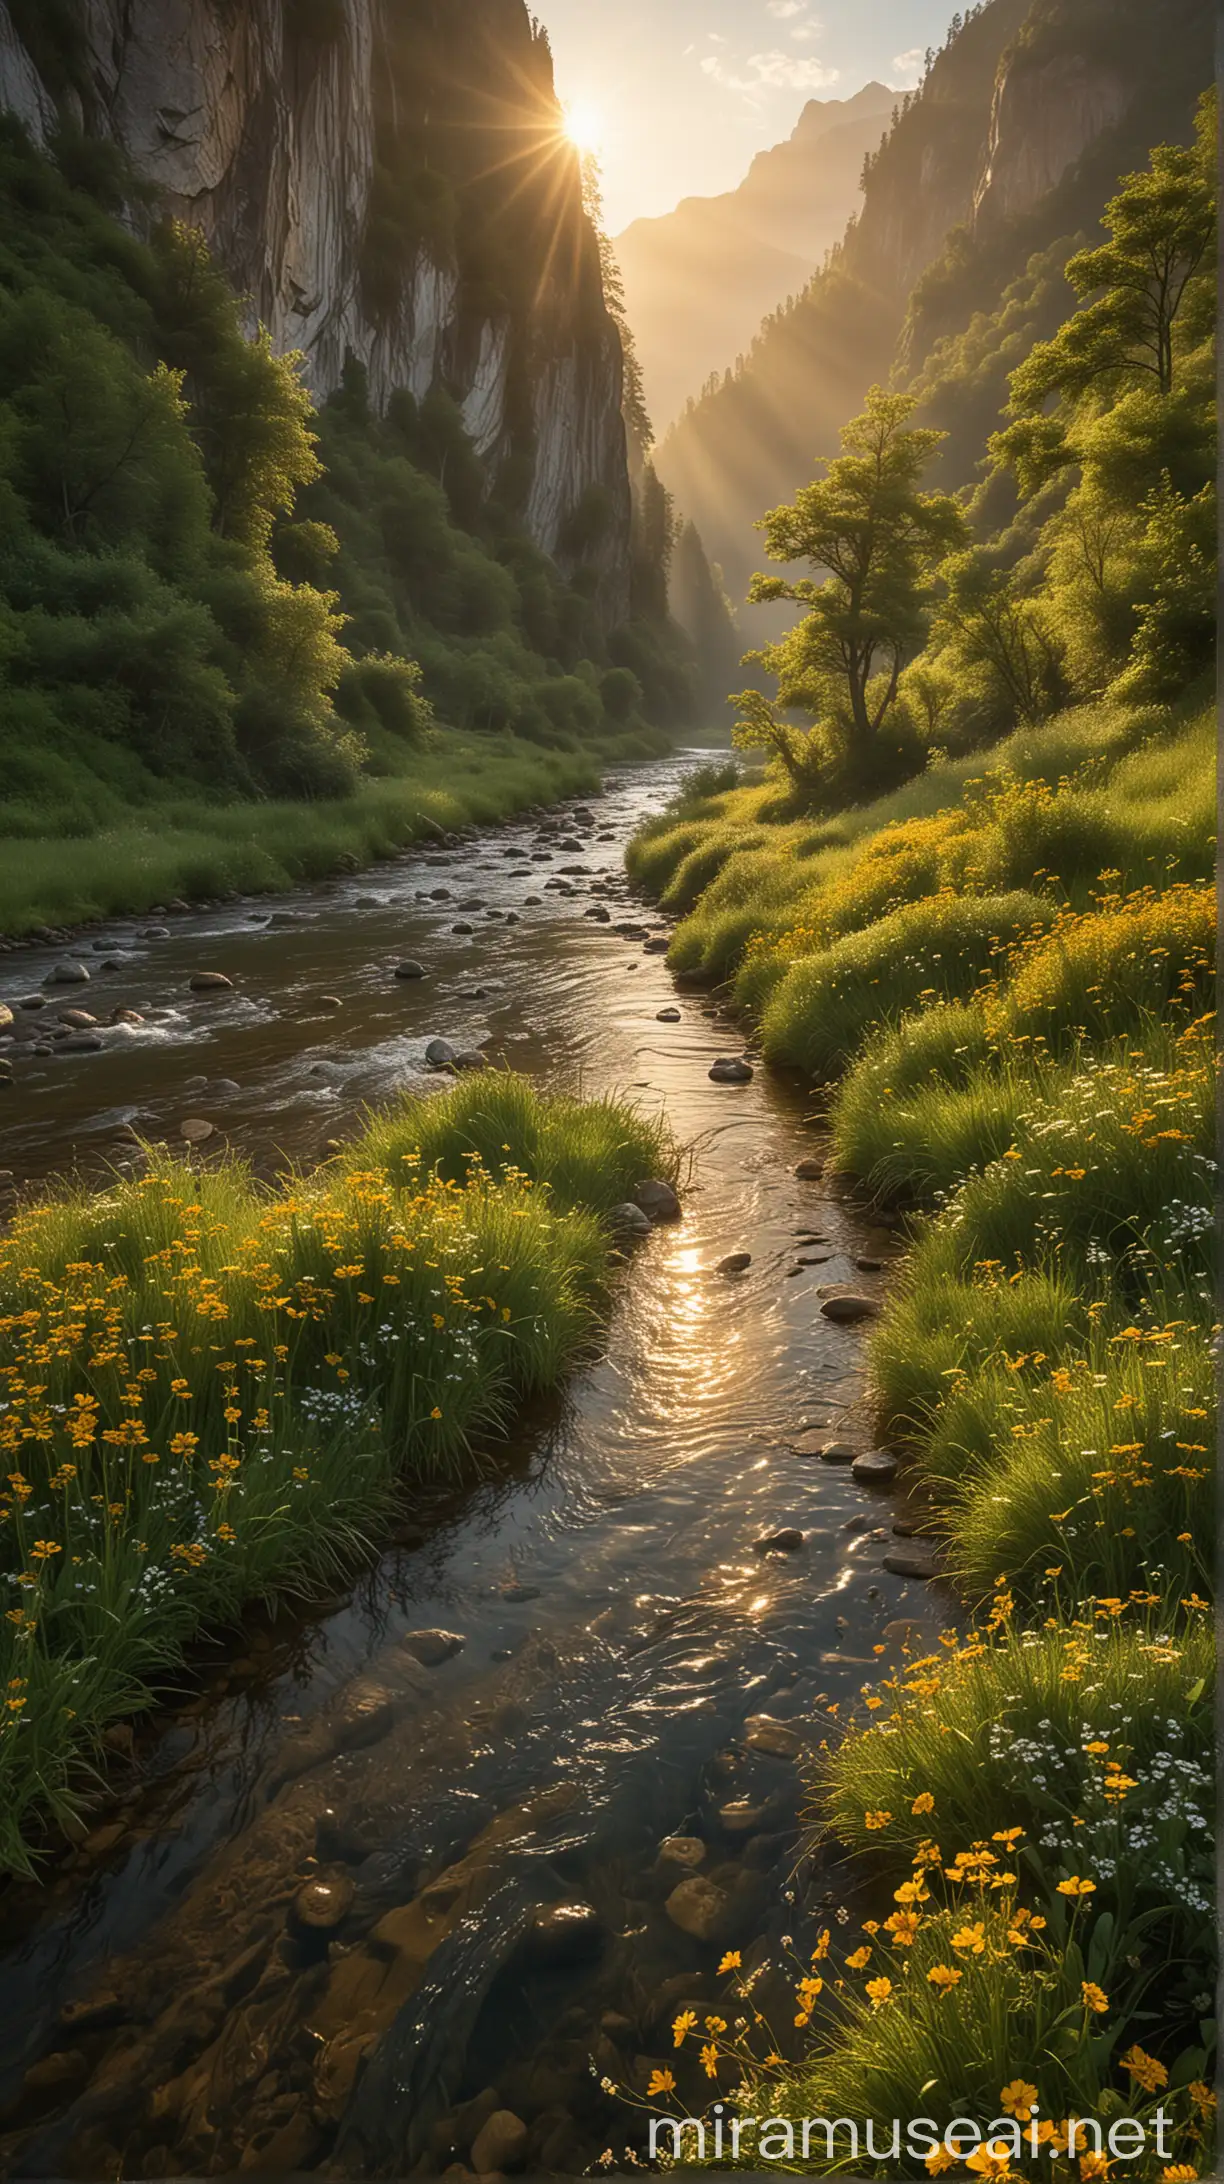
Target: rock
point(439, 1053)
point(224, 1088)
point(67, 974)
point(668, 1016)
point(731, 1069)
point(58, 2074)
point(564, 1933)
point(875, 1467)
point(500, 2144)
point(515, 1595)
point(290, 2150)
point(196, 1130)
point(82, 1042)
point(735, 1263)
point(658, 1201)
point(869, 1266)
point(432, 1647)
point(156, 932)
point(763, 1734)
point(32, 1001)
point(210, 982)
point(828, 1452)
point(330, 1001)
point(919, 1559)
point(470, 1058)
point(629, 1220)
point(6, 1073)
point(76, 1019)
point(741, 1816)
point(126, 1016)
point(323, 1905)
point(409, 970)
point(658, 944)
point(848, 1308)
point(463, 928)
point(698, 1908)
point(680, 1855)
point(601, 914)
point(787, 1541)
point(809, 1171)
point(616, 2027)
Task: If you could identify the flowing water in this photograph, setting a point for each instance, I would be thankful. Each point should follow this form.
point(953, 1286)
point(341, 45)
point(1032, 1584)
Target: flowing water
point(486, 1923)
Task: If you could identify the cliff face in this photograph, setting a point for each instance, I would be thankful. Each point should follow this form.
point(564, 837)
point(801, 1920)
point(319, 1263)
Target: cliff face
point(386, 180)
point(1043, 118)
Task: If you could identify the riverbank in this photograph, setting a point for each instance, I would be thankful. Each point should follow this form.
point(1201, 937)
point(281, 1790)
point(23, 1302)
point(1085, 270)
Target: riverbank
point(190, 850)
point(214, 1393)
point(999, 988)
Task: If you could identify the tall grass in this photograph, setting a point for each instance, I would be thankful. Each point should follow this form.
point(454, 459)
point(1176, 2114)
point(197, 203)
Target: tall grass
point(211, 1391)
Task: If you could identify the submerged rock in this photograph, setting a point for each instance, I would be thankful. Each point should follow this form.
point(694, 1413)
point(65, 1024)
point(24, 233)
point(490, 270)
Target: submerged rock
point(323, 1905)
point(918, 1559)
point(196, 1130)
point(698, 1908)
point(809, 1171)
point(432, 1647)
point(731, 1069)
point(846, 1309)
point(787, 1541)
point(564, 1933)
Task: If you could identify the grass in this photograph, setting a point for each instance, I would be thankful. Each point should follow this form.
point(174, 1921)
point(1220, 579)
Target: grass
point(212, 1392)
point(192, 849)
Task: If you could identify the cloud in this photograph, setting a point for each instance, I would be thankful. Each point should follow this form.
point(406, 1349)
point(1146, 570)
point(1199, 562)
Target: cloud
point(910, 64)
point(784, 9)
point(773, 71)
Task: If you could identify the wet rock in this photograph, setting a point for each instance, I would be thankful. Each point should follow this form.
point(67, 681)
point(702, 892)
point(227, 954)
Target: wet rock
point(196, 1130)
point(76, 1019)
point(657, 1200)
point(470, 1058)
point(564, 1933)
point(698, 1908)
point(777, 1738)
point(432, 1647)
point(125, 1016)
point(82, 1042)
point(826, 1451)
point(439, 1053)
point(67, 974)
point(848, 1308)
point(735, 1262)
point(330, 1001)
point(210, 982)
point(516, 1594)
point(629, 1220)
point(741, 1816)
point(658, 944)
point(500, 2144)
point(668, 1016)
point(875, 1467)
point(156, 932)
point(919, 1559)
point(787, 1541)
point(290, 2150)
point(463, 927)
point(408, 970)
point(53, 2076)
point(322, 1905)
point(809, 1171)
point(679, 1856)
point(731, 1069)
point(599, 912)
point(32, 1001)
point(869, 1266)
point(6, 1017)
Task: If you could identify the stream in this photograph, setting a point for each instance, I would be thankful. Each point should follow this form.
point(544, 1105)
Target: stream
point(352, 1898)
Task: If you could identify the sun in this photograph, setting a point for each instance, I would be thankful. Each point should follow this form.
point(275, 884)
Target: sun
point(584, 125)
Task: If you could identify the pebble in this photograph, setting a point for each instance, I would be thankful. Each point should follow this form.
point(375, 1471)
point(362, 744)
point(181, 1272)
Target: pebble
point(668, 1016)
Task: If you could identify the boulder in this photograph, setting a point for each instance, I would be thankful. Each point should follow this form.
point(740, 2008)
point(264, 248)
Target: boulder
point(67, 974)
point(432, 1647)
point(657, 1200)
point(698, 1908)
point(500, 2144)
point(210, 982)
point(875, 1467)
point(629, 1220)
point(439, 1053)
point(731, 1069)
point(848, 1308)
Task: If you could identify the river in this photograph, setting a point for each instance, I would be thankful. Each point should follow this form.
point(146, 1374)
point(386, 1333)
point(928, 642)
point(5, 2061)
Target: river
point(486, 1921)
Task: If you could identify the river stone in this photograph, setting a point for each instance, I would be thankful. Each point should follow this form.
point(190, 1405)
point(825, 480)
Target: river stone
point(515, 1594)
point(731, 1069)
point(126, 1016)
point(829, 1452)
point(439, 1053)
point(598, 910)
point(809, 1171)
point(849, 1308)
point(787, 1541)
point(323, 1905)
point(564, 1933)
point(734, 1263)
point(67, 974)
point(698, 1908)
point(763, 1734)
point(870, 1266)
point(500, 2144)
point(463, 927)
point(330, 1001)
point(409, 969)
point(196, 1130)
point(432, 1647)
point(81, 1042)
point(32, 1001)
point(658, 944)
point(469, 1058)
point(668, 1016)
point(875, 1467)
point(6, 1016)
point(6, 1073)
point(76, 1019)
point(629, 1220)
point(919, 1559)
point(210, 982)
point(680, 1854)
point(657, 1200)
point(741, 1816)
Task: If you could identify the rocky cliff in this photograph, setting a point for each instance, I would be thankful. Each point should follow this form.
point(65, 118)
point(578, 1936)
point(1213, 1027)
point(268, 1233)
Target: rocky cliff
point(387, 181)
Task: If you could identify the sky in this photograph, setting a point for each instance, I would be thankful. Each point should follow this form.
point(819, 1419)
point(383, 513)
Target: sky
point(680, 94)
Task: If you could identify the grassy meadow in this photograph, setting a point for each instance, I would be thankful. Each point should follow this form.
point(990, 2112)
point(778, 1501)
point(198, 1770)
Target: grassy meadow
point(998, 982)
point(213, 1393)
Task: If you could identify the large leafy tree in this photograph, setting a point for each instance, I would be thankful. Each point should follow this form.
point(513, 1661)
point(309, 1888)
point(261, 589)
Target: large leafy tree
point(875, 539)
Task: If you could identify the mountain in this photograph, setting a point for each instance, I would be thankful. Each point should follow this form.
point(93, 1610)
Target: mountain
point(385, 180)
point(1027, 117)
point(699, 280)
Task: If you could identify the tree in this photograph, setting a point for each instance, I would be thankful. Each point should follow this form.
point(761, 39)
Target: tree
point(633, 401)
point(879, 539)
point(1002, 637)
